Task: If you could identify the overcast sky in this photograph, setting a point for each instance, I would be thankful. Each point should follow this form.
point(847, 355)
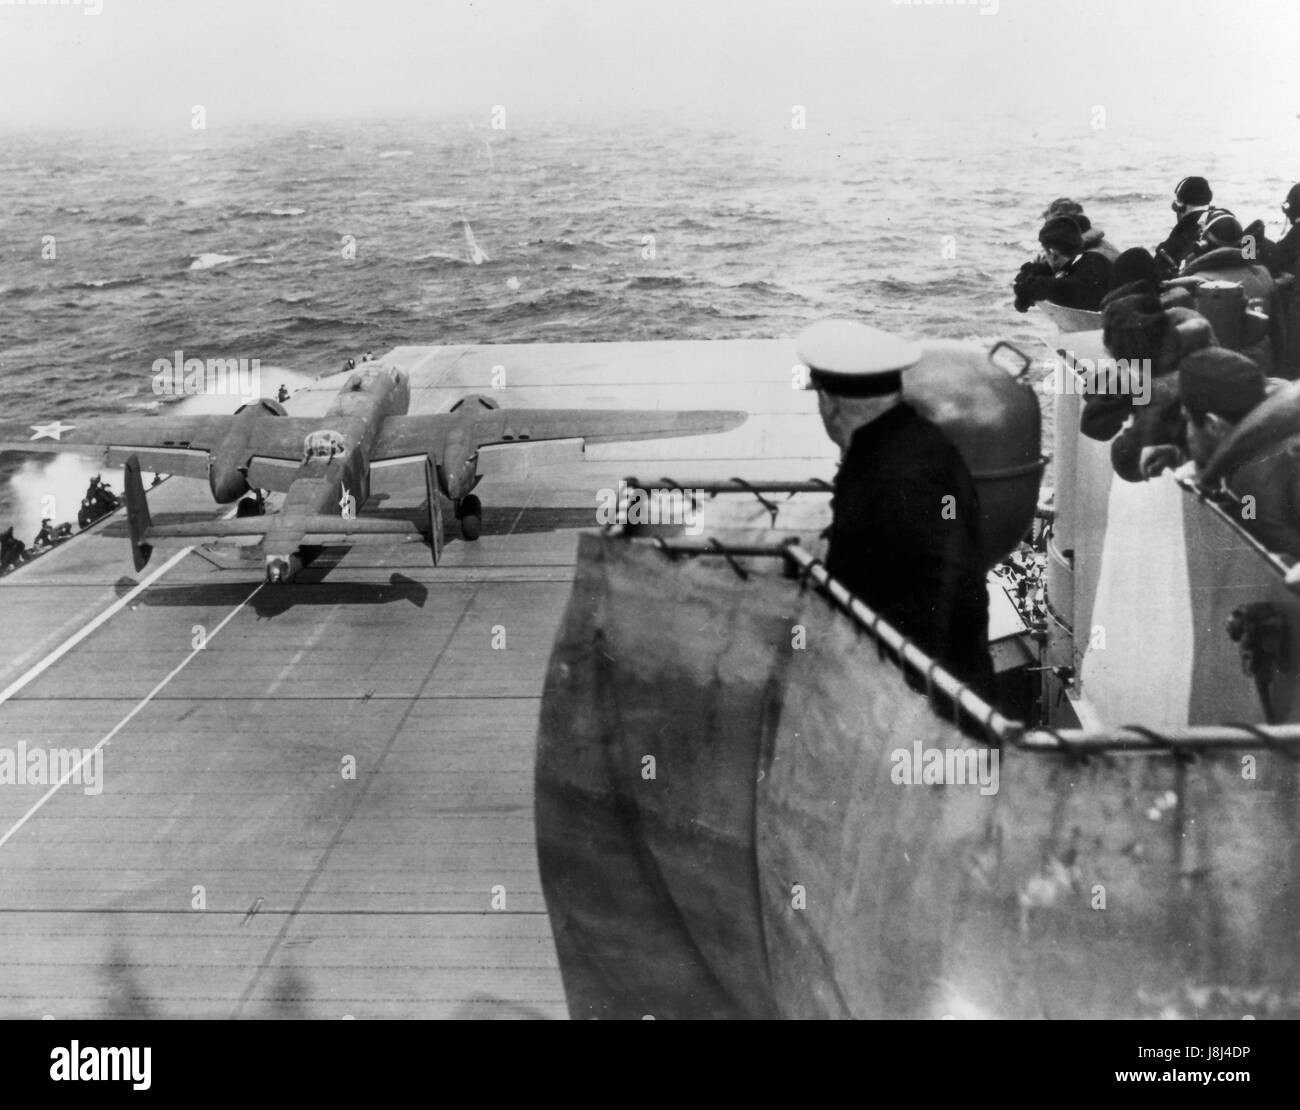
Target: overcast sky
point(150, 61)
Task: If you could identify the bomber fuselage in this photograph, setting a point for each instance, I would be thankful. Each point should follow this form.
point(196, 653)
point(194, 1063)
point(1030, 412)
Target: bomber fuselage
point(334, 476)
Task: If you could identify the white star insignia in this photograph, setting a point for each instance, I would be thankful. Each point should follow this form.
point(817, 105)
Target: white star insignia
point(53, 430)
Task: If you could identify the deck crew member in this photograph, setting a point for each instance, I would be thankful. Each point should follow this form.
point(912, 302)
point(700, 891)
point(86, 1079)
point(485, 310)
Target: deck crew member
point(1135, 328)
point(1219, 256)
point(1079, 278)
point(1134, 271)
point(12, 551)
point(1191, 204)
point(1094, 238)
point(1074, 268)
point(1283, 256)
point(905, 537)
point(1143, 420)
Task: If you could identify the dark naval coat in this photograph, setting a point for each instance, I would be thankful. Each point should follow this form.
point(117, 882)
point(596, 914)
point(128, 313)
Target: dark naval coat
point(1281, 257)
point(1082, 282)
point(893, 545)
point(1182, 241)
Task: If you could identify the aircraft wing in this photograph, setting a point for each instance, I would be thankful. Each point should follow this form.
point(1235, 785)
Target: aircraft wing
point(165, 444)
point(404, 436)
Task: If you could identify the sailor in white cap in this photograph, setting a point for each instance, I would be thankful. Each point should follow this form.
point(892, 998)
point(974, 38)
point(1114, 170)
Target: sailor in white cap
point(905, 537)
point(857, 371)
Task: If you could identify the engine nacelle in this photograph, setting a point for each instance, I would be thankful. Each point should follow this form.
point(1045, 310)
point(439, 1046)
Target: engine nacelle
point(228, 467)
point(457, 470)
point(228, 483)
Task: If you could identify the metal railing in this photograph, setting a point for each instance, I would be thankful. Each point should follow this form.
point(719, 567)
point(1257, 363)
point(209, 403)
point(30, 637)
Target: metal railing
point(1180, 741)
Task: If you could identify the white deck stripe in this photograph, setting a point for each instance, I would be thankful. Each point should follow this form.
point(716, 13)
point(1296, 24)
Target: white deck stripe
point(116, 607)
point(76, 638)
point(68, 774)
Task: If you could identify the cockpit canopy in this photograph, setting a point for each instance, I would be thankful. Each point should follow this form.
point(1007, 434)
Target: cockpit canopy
point(324, 445)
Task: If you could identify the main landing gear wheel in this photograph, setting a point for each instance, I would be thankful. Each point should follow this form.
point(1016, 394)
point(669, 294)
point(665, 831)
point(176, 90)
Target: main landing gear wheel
point(251, 506)
point(470, 511)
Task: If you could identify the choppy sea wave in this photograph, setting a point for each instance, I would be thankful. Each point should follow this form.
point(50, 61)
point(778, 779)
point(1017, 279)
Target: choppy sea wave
point(305, 246)
point(211, 260)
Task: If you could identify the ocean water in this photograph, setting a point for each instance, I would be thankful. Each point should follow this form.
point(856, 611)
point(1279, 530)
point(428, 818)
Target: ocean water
point(234, 243)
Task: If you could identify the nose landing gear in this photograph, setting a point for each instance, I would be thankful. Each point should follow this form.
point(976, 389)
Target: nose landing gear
point(280, 569)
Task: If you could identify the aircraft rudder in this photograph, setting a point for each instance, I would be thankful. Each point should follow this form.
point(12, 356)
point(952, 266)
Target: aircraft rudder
point(137, 512)
point(434, 506)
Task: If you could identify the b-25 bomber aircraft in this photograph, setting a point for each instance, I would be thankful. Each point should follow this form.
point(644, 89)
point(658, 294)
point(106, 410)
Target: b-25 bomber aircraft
point(326, 465)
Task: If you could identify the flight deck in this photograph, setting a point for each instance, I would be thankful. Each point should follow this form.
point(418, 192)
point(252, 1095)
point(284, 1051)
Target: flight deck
point(316, 798)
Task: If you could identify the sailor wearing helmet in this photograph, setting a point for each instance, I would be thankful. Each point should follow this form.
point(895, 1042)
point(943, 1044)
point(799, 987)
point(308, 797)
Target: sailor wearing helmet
point(1191, 204)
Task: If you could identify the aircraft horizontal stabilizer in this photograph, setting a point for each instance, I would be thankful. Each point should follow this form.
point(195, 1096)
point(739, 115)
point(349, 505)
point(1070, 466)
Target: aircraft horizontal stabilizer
point(251, 527)
point(322, 524)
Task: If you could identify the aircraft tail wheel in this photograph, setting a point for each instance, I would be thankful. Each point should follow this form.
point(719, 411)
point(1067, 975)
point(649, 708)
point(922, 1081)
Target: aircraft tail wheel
point(248, 506)
point(470, 511)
